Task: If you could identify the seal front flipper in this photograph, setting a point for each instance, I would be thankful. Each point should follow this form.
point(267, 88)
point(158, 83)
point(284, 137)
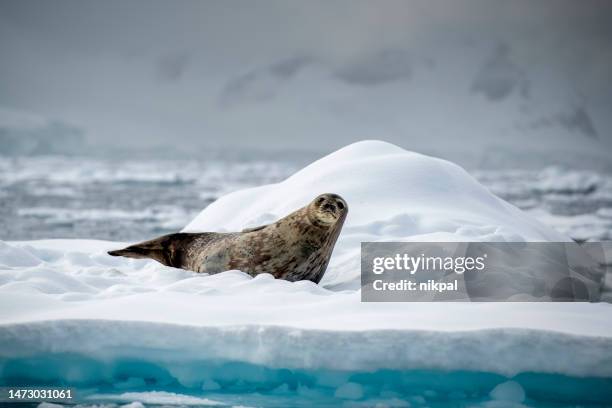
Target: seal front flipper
point(167, 249)
point(253, 229)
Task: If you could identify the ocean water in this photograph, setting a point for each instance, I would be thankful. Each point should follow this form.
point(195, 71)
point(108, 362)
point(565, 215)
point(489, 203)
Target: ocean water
point(120, 200)
point(380, 389)
point(129, 200)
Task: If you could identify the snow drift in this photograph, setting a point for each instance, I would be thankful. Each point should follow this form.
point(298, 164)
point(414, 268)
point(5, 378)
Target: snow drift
point(71, 314)
point(393, 195)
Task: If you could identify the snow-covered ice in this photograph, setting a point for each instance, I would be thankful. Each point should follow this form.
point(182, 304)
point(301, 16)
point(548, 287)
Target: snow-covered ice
point(393, 195)
point(63, 301)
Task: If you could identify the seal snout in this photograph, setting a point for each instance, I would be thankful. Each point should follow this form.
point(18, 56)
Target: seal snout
point(329, 208)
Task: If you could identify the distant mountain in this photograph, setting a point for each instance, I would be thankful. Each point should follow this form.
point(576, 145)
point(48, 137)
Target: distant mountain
point(51, 138)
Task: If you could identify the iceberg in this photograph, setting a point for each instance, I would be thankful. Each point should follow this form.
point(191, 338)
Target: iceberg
point(71, 315)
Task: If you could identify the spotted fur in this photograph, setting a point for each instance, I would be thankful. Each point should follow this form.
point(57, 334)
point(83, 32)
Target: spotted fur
point(296, 247)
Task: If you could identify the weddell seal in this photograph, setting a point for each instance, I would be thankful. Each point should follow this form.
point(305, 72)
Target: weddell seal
point(296, 247)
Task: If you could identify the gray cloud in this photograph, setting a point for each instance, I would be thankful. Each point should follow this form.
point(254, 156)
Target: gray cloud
point(246, 88)
point(261, 84)
point(171, 67)
point(378, 68)
point(499, 76)
point(289, 67)
point(298, 74)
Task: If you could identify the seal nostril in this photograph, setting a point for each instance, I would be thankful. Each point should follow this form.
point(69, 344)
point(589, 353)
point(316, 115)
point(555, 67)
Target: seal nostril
point(329, 206)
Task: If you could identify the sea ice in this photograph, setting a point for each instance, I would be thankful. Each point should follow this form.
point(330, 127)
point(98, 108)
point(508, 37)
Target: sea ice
point(349, 390)
point(65, 303)
point(508, 391)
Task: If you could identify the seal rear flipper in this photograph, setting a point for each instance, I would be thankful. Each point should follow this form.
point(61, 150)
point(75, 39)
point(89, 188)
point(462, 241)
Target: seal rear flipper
point(167, 249)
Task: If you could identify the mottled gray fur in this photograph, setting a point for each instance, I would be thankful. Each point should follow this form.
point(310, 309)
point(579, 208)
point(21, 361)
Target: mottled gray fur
point(296, 247)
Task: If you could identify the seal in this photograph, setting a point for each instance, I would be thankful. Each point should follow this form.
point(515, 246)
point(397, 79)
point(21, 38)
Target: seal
point(296, 247)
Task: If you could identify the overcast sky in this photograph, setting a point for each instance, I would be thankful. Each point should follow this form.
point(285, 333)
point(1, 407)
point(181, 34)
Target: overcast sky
point(298, 74)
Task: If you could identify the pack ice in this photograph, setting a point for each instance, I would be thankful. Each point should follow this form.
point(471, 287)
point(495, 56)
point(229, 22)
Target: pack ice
point(70, 313)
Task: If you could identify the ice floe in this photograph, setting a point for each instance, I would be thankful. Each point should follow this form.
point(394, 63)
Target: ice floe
point(86, 318)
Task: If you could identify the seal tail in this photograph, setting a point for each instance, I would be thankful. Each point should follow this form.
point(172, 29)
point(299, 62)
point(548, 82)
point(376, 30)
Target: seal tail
point(165, 249)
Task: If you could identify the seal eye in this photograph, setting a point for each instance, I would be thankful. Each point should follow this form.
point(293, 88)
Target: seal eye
point(320, 200)
point(340, 205)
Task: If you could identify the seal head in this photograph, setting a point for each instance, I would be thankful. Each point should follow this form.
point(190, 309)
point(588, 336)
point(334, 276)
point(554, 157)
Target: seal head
point(326, 210)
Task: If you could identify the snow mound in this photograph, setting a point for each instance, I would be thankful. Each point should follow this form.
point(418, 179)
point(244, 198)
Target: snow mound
point(393, 195)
